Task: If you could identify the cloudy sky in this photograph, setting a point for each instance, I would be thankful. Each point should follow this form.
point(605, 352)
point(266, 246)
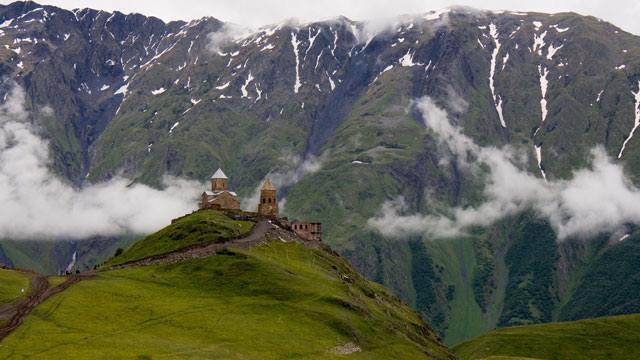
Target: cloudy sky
point(253, 13)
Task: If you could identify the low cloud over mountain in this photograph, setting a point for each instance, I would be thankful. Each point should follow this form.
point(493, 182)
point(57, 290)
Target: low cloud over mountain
point(595, 200)
point(38, 204)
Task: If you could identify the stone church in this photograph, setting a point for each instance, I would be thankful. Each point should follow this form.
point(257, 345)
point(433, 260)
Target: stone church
point(220, 198)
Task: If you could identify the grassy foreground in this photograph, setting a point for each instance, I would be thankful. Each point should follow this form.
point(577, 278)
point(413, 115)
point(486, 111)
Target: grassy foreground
point(275, 301)
point(14, 285)
point(202, 227)
point(615, 337)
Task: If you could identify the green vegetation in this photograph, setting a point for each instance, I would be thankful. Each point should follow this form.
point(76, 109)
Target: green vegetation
point(592, 339)
point(610, 285)
point(14, 285)
point(483, 280)
point(424, 282)
point(270, 302)
point(531, 260)
point(202, 227)
point(56, 280)
point(457, 261)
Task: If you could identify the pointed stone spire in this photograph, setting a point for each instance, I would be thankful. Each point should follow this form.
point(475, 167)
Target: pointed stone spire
point(268, 185)
point(268, 205)
point(219, 174)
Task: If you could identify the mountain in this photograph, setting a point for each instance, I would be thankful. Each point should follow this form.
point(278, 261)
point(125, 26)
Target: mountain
point(602, 338)
point(328, 109)
point(276, 297)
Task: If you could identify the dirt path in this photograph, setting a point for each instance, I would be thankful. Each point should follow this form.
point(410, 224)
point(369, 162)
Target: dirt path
point(41, 290)
point(262, 232)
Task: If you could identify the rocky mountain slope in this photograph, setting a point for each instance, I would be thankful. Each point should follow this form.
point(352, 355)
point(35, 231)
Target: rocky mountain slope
point(326, 109)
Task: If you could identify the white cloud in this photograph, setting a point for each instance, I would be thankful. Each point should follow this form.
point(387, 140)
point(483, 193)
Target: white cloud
point(253, 13)
point(595, 200)
point(38, 205)
point(295, 170)
point(225, 35)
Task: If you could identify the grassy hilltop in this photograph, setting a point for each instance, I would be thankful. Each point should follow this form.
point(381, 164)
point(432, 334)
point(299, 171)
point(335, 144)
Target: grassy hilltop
point(273, 301)
point(198, 228)
point(615, 337)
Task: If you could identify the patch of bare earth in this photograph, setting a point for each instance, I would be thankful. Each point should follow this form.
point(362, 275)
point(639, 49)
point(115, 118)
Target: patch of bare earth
point(346, 349)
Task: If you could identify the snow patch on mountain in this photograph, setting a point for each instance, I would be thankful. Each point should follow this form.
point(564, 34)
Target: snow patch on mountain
point(505, 59)
point(312, 39)
point(123, 90)
point(558, 28)
point(243, 89)
point(538, 152)
point(331, 83)
point(544, 83)
point(538, 43)
point(267, 47)
point(223, 86)
point(636, 122)
point(258, 91)
point(295, 43)
point(174, 126)
point(497, 100)
point(407, 60)
point(158, 91)
point(552, 50)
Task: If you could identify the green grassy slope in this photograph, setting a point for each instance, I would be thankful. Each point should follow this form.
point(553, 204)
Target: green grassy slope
point(199, 228)
point(274, 301)
point(601, 338)
point(11, 285)
point(456, 258)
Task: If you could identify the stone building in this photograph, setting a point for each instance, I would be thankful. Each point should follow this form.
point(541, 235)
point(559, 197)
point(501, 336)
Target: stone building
point(268, 205)
point(220, 198)
point(307, 231)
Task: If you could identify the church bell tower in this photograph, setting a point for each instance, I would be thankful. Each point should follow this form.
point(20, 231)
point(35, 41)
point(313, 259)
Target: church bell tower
point(219, 181)
point(268, 206)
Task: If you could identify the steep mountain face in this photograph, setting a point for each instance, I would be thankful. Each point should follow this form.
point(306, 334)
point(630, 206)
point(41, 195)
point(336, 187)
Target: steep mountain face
point(74, 66)
point(326, 108)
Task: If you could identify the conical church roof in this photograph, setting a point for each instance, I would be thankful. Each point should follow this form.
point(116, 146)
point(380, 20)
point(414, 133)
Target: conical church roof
point(219, 174)
point(268, 185)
